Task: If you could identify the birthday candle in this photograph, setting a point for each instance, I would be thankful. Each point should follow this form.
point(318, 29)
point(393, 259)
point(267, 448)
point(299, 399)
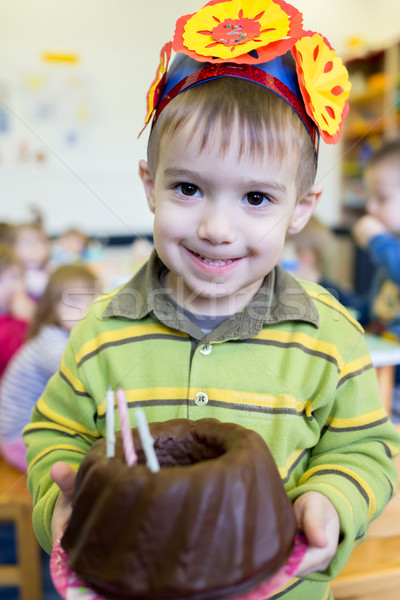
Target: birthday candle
point(127, 439)
point(147, 440)
point(110, 423)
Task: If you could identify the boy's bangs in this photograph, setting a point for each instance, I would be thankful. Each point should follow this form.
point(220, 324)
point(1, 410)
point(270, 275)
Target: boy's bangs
point(268, 124)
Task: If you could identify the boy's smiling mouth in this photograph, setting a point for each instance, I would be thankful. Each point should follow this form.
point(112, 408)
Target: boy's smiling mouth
point(214, 262)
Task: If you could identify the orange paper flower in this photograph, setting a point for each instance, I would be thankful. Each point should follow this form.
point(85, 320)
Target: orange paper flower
point(239, 31)
point(324, 83)
point(156, 88)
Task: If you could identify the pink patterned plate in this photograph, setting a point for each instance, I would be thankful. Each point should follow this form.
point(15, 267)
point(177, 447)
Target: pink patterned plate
point(71, 587)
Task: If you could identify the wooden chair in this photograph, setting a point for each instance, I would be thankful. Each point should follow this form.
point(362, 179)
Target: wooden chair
point(373, 571)
point(16, 508)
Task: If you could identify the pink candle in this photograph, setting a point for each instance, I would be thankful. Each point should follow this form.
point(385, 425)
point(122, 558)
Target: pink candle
point(127, 439)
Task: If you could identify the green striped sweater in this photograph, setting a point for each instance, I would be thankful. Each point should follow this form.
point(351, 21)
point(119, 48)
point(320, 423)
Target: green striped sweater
point(293, 366)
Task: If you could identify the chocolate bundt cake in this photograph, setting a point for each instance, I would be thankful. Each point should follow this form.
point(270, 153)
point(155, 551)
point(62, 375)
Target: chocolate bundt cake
point(213, 523)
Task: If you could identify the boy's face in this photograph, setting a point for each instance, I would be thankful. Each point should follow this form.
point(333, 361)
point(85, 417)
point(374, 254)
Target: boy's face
point(220, 219)
point(383, 183)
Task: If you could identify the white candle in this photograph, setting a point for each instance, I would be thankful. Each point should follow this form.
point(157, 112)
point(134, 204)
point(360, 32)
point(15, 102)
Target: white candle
point(110, 423)
point(147, 440)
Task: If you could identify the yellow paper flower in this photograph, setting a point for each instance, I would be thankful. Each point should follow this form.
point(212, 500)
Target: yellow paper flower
point(324, 83)
point(229, 30)
point(155, 91)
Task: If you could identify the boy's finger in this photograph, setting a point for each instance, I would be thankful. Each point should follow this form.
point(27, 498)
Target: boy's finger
point(64, 476)
point(314, 526)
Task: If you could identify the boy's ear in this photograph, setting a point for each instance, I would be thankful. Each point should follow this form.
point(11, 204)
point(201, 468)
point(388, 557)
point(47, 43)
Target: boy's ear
point(305, 208)
point(148, 183)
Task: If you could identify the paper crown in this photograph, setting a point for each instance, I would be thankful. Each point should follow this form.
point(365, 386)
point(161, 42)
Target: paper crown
point(262, 41)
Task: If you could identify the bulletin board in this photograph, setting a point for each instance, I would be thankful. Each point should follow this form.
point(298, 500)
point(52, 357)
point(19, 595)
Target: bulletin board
point(72, 102)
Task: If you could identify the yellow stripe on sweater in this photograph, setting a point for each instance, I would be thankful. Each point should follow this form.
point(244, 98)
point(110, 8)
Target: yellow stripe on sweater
point(366, 419)
point(149, 394)
point(302, 339)
point(123, 333)
point(56, 448)
point(71, 424)
point(51, 427)
point(356, 365)
point(293, 458)
point(74, 381)
point(346, 471)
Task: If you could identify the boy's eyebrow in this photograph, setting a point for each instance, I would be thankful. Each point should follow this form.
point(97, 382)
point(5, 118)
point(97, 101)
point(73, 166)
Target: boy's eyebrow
point(249, 183)
point(272, 185)
point(171, 172)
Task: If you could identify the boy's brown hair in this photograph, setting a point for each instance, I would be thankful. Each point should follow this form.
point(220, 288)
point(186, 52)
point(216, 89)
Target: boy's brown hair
point(268, 122)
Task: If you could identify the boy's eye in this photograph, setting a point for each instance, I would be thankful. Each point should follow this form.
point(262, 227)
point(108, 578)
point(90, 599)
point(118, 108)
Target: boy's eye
point(256, 198)
point(188, 189)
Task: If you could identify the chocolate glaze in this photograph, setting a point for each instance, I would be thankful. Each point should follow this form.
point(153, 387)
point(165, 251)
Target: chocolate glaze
point(214, 522)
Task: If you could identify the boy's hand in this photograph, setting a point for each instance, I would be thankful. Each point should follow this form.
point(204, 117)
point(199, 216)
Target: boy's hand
point(318, 520)
point(367, 228)
point(64, 476)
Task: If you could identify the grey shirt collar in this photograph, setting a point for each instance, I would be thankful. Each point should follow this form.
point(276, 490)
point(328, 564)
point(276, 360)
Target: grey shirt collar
point(281, 298)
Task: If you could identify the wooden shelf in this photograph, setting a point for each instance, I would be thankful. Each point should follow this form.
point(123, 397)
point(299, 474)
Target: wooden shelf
point(369, 95)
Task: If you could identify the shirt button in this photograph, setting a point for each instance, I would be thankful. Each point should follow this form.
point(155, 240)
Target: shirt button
point(206, 349)
point(201, 399)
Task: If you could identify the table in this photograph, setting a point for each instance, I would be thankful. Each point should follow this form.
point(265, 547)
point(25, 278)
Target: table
point(16, 508)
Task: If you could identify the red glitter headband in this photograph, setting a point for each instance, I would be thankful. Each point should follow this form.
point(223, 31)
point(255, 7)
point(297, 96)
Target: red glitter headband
point(249, 72)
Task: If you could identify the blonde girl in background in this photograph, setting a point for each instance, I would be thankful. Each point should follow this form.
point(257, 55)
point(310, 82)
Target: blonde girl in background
point(32, 247)
point(70, 290)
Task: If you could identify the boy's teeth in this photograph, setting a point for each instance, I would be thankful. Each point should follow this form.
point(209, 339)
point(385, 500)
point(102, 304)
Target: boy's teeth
point(218, 263)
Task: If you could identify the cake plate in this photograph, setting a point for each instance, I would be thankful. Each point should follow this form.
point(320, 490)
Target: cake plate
point(71, 587)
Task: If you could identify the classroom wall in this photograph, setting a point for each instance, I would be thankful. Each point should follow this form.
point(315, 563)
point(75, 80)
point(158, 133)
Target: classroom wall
point(68, 131)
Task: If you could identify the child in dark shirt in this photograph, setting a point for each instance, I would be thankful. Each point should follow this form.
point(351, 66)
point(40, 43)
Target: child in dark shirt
point(378, 232)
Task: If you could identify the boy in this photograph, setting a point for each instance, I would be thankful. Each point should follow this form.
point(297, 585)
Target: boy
point(378, 233)
point(211, 327)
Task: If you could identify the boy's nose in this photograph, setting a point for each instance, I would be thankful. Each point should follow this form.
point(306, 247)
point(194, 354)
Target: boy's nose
point(217, 228)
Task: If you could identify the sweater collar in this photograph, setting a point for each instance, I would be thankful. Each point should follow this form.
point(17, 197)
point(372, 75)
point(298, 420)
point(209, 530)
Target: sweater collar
point(281, 298)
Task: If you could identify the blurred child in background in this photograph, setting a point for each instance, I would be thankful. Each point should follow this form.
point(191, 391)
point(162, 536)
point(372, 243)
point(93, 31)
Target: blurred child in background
point(16, 309)
point(378, 233)
point(311, 248)
point(70, 247)
point(315, 250)
point(32, 247)
point(69, 291)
